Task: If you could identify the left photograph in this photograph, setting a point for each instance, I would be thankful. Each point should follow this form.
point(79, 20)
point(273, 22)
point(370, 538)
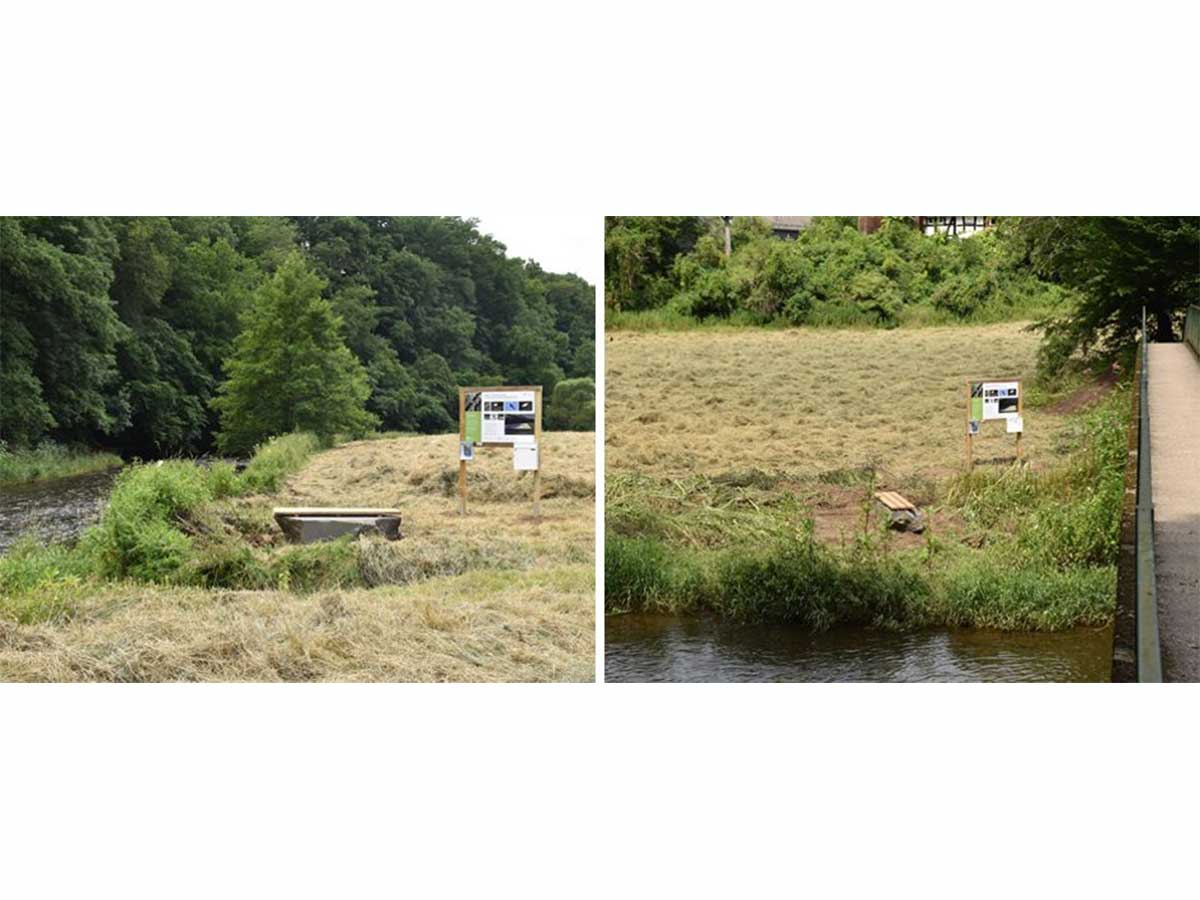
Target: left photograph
point(327, 448)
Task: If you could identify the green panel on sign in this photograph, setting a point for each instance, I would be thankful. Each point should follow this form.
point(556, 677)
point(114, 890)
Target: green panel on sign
point(976, 408)
point(474, 427)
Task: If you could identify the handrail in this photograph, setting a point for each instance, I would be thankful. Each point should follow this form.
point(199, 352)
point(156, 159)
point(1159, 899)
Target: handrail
point(1191, 328)
point(1149, 652)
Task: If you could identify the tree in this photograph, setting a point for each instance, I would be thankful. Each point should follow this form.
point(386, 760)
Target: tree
point(291, 369)
point(1117, 265)
point(639, 254)
point(573, 405)
point(58, 329)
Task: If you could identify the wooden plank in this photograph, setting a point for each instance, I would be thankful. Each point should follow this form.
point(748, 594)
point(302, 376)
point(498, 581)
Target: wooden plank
point(895, 501)
point(537, 439)
point(462, 463)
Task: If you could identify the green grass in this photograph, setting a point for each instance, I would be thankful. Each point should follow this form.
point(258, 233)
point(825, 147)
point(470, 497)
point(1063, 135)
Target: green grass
point(51, 461)
point(822, 316)
point(276, 460)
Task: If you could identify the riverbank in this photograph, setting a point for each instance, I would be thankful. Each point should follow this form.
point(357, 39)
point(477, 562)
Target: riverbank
point(179, 543)
point(50, 461)
point(735, 512)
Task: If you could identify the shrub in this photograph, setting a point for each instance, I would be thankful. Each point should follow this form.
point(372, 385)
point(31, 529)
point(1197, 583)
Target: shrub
point(573, 405)
point(138, 535)
point(832, 274)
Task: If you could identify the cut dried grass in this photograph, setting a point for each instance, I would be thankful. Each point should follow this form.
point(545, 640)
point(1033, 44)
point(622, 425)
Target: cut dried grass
point(480, 626)
point(811, 401)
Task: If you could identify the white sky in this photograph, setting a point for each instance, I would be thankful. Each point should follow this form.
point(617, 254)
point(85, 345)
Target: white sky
point(558, 243)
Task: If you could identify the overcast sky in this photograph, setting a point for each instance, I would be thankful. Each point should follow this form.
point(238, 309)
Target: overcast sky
point(558, 243)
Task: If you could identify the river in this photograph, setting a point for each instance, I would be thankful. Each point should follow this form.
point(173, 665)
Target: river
point(664, 648)
point(55, 510)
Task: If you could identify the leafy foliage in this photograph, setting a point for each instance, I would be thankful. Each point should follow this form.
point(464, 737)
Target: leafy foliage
point(573, 406)
point(118, 331)
point(1116, 265)
point(831, 274)
point(291, 371)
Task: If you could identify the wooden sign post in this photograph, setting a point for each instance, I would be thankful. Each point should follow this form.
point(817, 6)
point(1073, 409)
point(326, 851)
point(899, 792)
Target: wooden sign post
point(994, 399)
point(499, 417)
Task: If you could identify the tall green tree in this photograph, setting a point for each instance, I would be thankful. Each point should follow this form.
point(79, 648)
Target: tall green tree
point(291, 369)
point(58, 330)
point(639, 254)
point(1118, 265)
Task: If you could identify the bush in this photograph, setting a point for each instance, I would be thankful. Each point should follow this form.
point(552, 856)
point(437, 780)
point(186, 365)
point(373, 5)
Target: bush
point(573, 405)
point(832, 274)
point(138, 535)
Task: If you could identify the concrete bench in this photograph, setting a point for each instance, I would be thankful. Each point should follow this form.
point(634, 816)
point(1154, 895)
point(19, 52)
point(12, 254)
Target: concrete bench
point(308, 524)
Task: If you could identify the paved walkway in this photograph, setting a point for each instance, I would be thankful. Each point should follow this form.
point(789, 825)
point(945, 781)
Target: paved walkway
point(1175, 467)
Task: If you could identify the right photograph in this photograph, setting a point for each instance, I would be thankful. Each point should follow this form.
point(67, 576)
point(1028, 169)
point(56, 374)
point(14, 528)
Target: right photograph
point(902, 448)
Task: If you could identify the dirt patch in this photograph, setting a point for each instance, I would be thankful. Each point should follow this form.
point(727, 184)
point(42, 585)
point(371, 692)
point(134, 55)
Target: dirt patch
point(1085, 396)
point(841, 513)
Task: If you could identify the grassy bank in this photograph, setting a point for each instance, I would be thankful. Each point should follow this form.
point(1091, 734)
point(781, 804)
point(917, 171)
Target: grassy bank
point(760, 508)
point(51, 461)
point(178, 542)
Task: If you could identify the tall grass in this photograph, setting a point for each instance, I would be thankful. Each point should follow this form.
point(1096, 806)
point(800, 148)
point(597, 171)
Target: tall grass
point(276, 460)
point(50, 461)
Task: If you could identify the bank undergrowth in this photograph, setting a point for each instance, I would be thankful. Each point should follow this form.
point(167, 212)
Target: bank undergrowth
point(1036, 550)
point(174, 522)
point(50, 460)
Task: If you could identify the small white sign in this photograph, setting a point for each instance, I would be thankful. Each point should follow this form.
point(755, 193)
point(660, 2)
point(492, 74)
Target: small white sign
point(466, 451)
point(1015, 425)
point(525, 457)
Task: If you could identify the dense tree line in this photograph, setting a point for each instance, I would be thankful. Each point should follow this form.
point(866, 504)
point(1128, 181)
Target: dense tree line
point(120, 332)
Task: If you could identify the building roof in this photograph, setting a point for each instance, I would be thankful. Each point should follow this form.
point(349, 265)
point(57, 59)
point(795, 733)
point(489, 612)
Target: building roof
point(789, 223)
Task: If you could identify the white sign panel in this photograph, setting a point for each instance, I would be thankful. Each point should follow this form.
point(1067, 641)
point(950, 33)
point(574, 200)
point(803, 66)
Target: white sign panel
point(995, 400)
point(508, 416)
point(525, 457)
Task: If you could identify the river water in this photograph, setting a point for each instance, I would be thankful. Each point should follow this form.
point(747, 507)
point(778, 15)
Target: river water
point(55, 510)
point(664, 648)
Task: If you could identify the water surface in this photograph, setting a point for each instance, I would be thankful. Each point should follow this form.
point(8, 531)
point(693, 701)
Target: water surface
point(55, 510)
point(665, 648)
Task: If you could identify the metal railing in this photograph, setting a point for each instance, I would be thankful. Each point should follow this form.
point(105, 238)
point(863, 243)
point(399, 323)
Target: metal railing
point(1191, 328)
point(1149, 653)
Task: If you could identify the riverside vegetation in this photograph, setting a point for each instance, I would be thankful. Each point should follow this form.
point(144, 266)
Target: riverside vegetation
point(186, 575)
point(745, 489)
point(51, 460)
